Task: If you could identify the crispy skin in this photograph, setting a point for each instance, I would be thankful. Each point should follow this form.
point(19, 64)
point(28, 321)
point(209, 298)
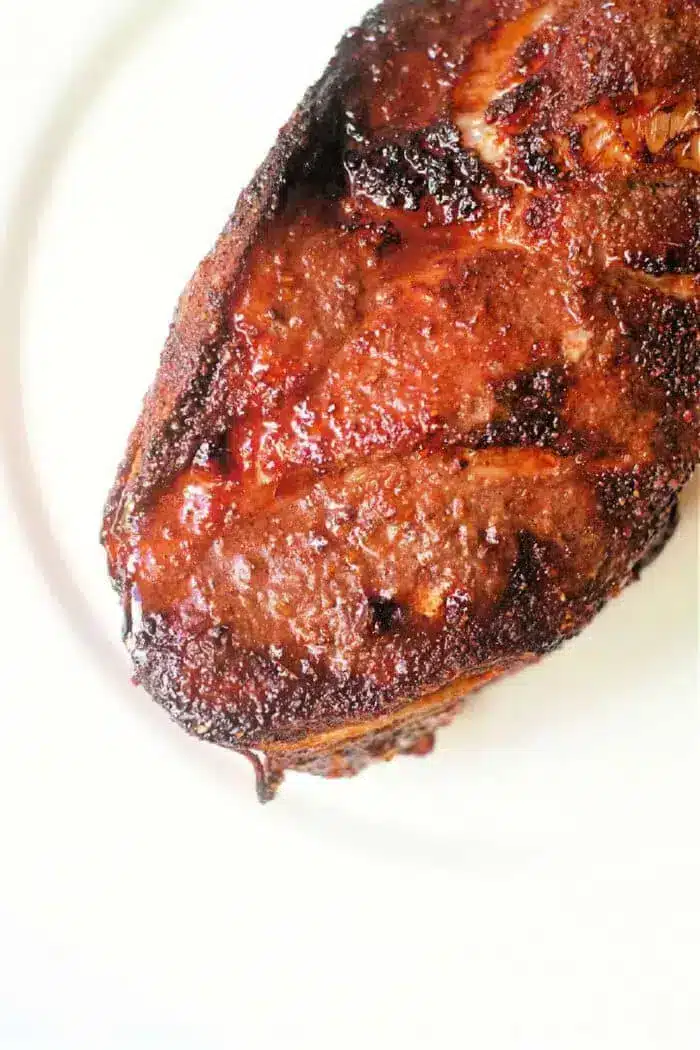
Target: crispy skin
point(428, 403)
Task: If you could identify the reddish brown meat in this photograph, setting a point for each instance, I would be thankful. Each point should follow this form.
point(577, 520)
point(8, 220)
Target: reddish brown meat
point(428, 403)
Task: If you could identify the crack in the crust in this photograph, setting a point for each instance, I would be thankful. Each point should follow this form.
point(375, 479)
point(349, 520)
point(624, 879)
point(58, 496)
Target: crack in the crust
point(655, 125)
point(678, 286)
point(489, 77)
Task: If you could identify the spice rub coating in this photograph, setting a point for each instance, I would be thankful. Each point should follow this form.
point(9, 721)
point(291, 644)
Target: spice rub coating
point(428, 403)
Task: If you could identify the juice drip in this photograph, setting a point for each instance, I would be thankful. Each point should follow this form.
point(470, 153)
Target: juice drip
point(268, 776)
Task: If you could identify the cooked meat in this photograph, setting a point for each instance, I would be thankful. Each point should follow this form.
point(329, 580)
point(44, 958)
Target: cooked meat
point(428, 403)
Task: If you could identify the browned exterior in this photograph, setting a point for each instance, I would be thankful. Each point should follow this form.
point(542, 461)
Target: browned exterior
point(428, 403)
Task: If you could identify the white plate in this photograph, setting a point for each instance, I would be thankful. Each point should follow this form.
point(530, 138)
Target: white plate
point(533, 883)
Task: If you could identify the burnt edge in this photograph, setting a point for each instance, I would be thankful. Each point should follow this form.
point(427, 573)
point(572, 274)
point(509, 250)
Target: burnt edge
point(522, 633)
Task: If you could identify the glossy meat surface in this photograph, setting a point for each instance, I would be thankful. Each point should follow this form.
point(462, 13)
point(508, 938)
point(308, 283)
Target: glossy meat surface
point(428, 403)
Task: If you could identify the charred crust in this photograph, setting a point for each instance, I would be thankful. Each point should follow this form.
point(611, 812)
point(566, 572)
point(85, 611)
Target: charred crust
point(677, 259)
point(534, 160)
point(663, 342)
point(244, 697)
point(191, 674)
point(214, 450)
point(386, 614)
point(542, 213)
point(629, 498)
point(512, 107)
point(529, 614)
point(667, 522)
point(640, 506)
point(427, 164)
point(528, 410)
point(318, 169)
point(532, 53)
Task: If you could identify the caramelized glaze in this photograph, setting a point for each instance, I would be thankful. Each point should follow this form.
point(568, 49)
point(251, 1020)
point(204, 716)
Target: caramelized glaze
point(428, 403)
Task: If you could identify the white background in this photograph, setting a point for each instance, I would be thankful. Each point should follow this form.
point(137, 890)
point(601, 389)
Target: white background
point(534, 884)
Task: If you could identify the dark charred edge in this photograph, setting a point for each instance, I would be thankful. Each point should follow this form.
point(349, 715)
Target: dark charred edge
point(274, 703)
point(668, 523)
point(411, 737)
point(305, 150)
point(524, 627)
point(529, 614)
point(628, 497)
point(414, 738)
point(641, 507)
point(277, 704)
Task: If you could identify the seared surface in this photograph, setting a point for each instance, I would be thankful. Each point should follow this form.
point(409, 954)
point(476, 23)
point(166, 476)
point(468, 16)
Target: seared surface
point(428, 403)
